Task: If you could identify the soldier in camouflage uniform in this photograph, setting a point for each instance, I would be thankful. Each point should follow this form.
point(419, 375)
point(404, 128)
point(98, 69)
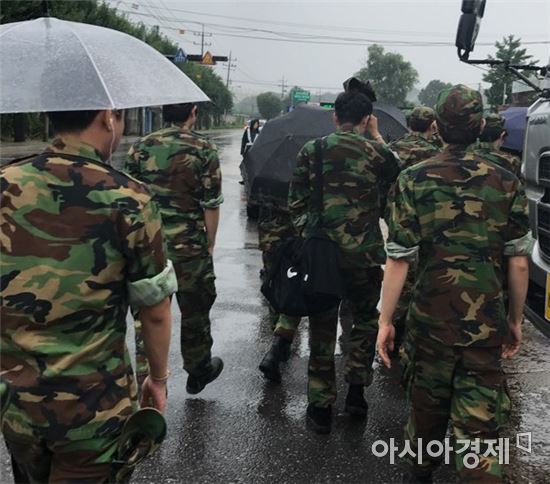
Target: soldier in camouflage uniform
point(490, 142)
point(462, 215)
point(416, 146)
point(274, 227)
point(357, 176)
point(182, 170)
point(80, 241)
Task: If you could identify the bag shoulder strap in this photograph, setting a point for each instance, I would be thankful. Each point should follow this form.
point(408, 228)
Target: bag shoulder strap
point(317, 195)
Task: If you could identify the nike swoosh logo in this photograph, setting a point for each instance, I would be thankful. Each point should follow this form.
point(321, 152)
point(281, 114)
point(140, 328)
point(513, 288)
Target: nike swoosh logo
point(291, 274)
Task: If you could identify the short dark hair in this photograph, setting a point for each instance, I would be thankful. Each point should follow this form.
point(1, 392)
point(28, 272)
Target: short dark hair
point(177, 113)
point(352, 107)
point(454, 136)
point(490, 134)
point(71, 121)
point(419, 125)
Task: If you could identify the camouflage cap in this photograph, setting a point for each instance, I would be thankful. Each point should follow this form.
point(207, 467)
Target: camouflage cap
point(142, 434)
point(422, 113)
point(459, 111)
point(495, 121)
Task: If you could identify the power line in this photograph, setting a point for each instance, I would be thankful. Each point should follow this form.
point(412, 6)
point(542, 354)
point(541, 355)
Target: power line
point(161, 20)
point(298, 38)
point(287, 83)
point(324, 28)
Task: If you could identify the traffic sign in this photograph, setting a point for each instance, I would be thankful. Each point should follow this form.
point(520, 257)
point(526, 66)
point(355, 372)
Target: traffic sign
point(207, 59)
point(301, 96)
point(180, 56)
point(326, 105)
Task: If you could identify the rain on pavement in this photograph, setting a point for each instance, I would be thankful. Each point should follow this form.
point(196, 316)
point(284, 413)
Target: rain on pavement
point(243, 429)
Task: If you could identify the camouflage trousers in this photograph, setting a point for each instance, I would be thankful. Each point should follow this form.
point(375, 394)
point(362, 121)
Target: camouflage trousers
point(287, 326)
point(362, 293)
point(464, 385)
point(196, 295)
point(35, 460)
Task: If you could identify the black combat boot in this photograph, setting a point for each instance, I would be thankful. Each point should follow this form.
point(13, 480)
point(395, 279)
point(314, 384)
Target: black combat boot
point(196, 383)
point(356, 405)
point(319, 419)
point(279, 352)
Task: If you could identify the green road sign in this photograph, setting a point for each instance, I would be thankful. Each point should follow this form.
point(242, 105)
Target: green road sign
point(299, 96)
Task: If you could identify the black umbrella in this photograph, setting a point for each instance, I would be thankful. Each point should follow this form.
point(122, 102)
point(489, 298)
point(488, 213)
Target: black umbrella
point(267, 167)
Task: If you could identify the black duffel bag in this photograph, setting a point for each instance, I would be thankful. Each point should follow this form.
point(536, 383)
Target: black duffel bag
point(305, 278)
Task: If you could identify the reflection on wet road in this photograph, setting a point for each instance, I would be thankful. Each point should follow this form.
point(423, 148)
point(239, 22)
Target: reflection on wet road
point(242, 429)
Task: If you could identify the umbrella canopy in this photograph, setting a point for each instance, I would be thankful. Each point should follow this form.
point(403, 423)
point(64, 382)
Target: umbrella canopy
point(267, 167)
point(392, 122)
point(515, 124)
point(49, 64)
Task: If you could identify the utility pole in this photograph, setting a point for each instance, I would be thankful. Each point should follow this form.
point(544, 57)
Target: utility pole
point(283, 85)
point(230, 66)
point(203, 34)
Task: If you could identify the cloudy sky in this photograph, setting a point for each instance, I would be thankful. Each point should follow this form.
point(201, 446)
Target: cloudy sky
point(317, 44)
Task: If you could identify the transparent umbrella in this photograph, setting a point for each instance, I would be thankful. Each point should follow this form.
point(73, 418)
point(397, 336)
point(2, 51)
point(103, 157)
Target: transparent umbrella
point(49, 64)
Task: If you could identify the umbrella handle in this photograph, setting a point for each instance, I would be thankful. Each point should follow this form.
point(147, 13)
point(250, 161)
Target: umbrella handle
point(45, 8)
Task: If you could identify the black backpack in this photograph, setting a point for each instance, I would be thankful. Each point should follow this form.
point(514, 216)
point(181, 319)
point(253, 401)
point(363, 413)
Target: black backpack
point(306, 278)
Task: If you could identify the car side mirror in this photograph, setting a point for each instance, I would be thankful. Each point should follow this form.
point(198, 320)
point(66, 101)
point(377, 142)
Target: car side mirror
point(468, 26)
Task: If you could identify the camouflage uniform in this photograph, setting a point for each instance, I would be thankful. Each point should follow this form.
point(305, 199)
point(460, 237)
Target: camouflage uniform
point(462, 215)
point(411, 149)
point(80, 241)
point(182, 170)
point(274, 227)
point(357, 176)
point(493, 153)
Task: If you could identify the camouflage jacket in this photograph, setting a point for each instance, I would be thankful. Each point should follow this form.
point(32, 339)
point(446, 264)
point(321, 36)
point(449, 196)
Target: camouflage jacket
point(413, 148)
point(183, 171)
point(79, 241)
point(462, 215)
point(357, 176)
point(507, 160)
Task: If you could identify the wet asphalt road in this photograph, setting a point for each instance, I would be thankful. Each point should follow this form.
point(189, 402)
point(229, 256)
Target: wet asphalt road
point(242, 429)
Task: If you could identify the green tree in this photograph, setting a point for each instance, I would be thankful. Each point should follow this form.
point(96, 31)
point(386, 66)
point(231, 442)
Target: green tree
point(391, 76)
point(501, 80)
point(214, 88)
point(247, 106)
point(428, 95)
point(269, 104)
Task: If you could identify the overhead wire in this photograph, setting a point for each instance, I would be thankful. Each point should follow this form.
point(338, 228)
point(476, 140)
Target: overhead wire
point(324, 28)
point(283, 36)
point(305, 38)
